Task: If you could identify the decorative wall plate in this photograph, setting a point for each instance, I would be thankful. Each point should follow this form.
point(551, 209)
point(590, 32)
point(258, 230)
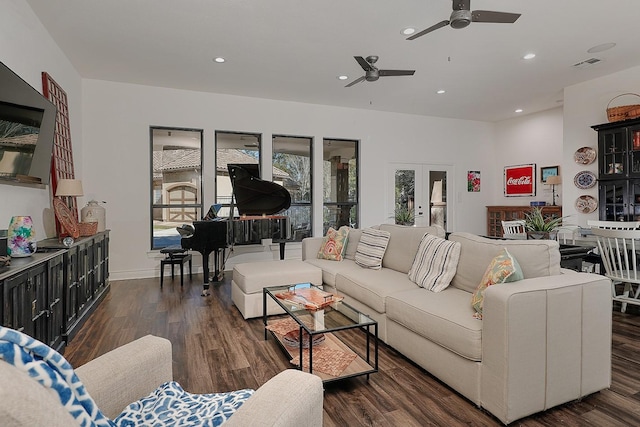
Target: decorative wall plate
point(586, 204)
point(585, 155)
point(585, 179)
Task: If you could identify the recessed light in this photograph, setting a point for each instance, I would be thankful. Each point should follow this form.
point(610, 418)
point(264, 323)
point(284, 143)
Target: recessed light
point(441, 91)
point(343, 77)
point(529, 56)
point(219, 59)
point(408, 31)
point(519, 110)
point(601, 47)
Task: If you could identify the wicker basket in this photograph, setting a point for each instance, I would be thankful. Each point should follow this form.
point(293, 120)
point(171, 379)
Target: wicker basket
point(623, 112)
point(88, 228)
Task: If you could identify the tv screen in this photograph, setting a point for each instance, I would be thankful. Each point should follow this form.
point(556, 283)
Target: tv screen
point(27, 124)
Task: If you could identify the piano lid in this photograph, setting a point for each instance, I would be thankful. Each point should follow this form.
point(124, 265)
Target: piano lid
point(255, 196)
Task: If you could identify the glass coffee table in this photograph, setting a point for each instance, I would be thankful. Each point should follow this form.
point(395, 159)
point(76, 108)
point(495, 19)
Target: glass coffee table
point(337, 342)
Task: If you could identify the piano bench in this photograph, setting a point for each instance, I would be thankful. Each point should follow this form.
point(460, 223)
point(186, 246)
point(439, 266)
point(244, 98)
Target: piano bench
point(250, 278)
point(175, 256)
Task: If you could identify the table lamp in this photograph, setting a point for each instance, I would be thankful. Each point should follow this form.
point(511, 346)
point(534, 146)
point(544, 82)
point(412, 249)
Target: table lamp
point(69, 188)
point(553, 180)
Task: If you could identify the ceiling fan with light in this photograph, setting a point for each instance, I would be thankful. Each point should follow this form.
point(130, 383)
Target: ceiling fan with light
point(372, 73)
point(462, 16)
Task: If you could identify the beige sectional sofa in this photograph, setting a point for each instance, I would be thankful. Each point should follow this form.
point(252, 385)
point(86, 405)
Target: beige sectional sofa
point(543, 341)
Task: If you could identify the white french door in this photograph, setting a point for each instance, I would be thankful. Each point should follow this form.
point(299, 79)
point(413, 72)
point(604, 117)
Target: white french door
point(421, 194)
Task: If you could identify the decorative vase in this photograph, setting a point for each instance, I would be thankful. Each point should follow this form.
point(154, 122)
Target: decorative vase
point(21, 237)
point(93, 212)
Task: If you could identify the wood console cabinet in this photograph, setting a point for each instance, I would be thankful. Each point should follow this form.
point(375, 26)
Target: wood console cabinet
point(497, 214)
point(619, 170)
point(50, 294)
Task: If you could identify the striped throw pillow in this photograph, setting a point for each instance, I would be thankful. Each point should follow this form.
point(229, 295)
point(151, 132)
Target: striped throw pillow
point(435, 263)
point(371, 248)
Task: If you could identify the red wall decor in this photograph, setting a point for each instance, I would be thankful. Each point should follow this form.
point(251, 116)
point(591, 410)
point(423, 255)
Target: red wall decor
point(62, 158)
point(520, 180)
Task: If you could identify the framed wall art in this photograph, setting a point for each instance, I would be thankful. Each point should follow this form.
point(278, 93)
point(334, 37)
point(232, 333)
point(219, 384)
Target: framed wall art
point(548, 171)
point(473, 181)
point(520, 180)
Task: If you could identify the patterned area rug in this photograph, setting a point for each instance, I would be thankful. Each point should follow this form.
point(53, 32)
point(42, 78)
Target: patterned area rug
point(327, 360)
point(284, 326)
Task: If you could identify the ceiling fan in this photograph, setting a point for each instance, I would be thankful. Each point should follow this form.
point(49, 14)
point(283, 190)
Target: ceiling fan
point(462, 16)
point(372, 73)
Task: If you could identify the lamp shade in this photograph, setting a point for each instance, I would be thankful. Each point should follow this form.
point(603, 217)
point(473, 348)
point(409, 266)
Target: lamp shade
point(554, 180)
point(69, 187)
point(21, 237)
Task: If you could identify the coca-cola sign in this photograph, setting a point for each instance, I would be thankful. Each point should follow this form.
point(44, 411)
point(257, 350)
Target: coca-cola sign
point(520, 180)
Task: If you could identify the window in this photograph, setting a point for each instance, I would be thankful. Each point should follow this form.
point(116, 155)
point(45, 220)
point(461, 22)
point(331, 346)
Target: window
point(176, 182)
point(340, 183)
point(292, 170)
point(234, 148)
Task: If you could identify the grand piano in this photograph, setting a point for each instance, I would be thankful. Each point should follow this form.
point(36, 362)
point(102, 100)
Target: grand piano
point(258, 202)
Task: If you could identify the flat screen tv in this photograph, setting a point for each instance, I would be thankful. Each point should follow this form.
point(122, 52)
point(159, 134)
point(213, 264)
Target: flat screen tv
point(27, 125)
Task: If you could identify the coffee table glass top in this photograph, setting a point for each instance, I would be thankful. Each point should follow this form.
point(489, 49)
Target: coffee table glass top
point(333, 316)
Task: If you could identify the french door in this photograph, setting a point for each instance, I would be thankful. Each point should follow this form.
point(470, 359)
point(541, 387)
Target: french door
point(421, 194)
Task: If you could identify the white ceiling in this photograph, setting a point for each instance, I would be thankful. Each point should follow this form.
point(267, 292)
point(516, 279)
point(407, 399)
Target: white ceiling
point(294, 50)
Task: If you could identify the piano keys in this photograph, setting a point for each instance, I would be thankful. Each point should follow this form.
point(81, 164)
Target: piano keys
point(258, 202)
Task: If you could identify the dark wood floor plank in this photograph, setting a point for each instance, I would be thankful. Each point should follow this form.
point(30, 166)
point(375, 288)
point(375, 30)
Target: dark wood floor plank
point(215, 349)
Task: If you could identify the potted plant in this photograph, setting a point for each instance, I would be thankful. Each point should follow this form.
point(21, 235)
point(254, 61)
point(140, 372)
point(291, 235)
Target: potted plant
point(403, 215)
point(539, 227)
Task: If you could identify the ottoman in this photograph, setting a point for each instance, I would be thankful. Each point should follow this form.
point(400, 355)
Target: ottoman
point(250, 278)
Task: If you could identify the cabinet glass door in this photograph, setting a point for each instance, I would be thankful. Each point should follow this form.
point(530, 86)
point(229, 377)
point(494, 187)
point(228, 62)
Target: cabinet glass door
point(613, 153)
point(634, 151)
point(612, 201)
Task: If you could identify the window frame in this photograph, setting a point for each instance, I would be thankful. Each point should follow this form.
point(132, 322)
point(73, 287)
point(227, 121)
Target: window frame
point(338, 204)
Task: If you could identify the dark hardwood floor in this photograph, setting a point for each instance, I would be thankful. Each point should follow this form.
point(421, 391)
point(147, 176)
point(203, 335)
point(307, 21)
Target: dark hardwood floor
point(215, 349)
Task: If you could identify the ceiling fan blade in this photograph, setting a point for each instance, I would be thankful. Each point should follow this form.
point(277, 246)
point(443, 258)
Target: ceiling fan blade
point(363, 63)
point(384, 73)
point(428, 30)
point(495, 17)
point(355, 81)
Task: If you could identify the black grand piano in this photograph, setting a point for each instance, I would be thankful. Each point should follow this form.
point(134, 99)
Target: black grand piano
point(258, 202)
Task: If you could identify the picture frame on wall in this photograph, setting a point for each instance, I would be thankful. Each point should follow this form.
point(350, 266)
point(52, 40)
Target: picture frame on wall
point(547, 171)
point(520, 180)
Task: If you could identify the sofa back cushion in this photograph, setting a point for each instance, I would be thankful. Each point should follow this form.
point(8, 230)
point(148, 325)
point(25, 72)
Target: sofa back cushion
point(537, 258)
point(352, 244)
point(403, 244)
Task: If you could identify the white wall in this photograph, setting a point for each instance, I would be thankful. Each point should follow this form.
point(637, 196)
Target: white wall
point(584, 106)
point(533, 138)
point(116, 153)
point(27, 49)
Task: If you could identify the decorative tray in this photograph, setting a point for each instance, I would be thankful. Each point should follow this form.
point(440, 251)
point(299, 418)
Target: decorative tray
point(585, 179)
point(310, 298)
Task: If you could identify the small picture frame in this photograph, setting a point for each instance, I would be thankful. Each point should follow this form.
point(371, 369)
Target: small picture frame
point(547, 171)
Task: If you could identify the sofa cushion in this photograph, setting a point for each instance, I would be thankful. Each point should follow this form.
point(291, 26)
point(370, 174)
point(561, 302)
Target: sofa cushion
point(334, 244)
point(331, 268)
point(352, 243)
point(536, 258)
point(371, 249)
point(435, 263)
point(504, 268)
point(371, 287)
point(445, 318)
point(403, 244)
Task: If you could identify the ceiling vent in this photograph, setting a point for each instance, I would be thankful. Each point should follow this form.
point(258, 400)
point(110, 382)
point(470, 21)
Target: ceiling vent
point(587, 63)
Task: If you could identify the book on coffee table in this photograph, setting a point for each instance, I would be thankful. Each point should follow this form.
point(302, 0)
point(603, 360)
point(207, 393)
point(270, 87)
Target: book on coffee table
point(310, 298)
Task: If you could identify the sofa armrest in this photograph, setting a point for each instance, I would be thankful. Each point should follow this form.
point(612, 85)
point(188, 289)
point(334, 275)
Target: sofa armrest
point(291, 398)
point(310, 247)
point(545, 341)
point(128, 373)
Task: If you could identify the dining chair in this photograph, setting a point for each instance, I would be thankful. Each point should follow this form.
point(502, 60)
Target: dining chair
point(619, 253)
point(567, 233)
point(614, 225)
point(514, 229)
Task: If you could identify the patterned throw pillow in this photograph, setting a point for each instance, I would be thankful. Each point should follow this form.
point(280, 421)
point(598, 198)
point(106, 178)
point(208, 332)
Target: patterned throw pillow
point(334, 244)
point(502, 269)
point(371, 248)
point(435, 263)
